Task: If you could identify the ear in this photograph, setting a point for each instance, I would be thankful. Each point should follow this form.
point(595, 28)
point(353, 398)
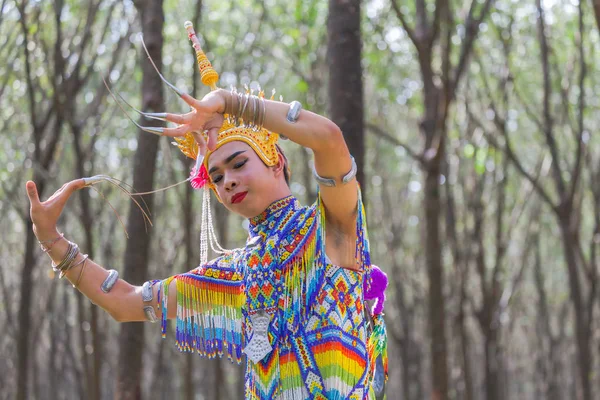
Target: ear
point(280, 166)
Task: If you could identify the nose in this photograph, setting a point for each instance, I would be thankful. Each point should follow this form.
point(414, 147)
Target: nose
point(230, 183)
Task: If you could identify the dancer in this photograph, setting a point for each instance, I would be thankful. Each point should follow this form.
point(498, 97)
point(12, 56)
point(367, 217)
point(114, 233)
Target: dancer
point(293, 299)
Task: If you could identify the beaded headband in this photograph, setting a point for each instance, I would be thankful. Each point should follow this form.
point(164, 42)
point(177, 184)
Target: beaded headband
point(262, 141)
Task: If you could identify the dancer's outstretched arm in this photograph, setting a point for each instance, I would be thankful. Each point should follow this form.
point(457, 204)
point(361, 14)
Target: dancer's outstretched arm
point(124, 301)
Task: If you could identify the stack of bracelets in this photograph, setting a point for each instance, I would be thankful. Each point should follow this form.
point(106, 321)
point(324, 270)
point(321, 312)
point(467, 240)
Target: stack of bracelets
point(251, 109)
point(68, 262)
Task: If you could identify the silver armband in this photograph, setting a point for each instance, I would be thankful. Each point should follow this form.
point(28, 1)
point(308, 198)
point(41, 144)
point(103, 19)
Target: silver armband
point(294, 112)
point(330, 182)
point(147, 291)
point(147, 294)
point(150, 314)
point(109, 282)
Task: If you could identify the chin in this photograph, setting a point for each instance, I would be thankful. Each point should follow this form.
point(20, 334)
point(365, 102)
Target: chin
point(246, 213)
point(243, 209)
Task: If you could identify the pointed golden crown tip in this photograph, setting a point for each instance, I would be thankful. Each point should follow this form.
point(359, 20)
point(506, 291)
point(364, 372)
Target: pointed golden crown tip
point(208, 75)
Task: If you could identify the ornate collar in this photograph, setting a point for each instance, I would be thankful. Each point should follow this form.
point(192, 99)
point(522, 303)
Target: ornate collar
point(265, 221)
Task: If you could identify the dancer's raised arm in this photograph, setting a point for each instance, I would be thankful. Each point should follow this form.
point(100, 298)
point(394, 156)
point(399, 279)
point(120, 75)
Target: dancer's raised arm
point(332, 158)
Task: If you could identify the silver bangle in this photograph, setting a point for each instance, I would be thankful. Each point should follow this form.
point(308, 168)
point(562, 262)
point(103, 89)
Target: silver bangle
point(58, 267)
point(63, 273)
point(348, 177)
point(294, 112)
point(109, 282)
point(150, 314)
point(147, 291)
point(240, 97)
point(67, 262)
point(264, 114)
point(330, 182)
point(256, 115)
point(247, 99)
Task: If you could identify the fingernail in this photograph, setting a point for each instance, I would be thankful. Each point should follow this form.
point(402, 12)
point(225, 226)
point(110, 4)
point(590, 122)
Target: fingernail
point(174, 88)
point(151, 129)
point(161, 116)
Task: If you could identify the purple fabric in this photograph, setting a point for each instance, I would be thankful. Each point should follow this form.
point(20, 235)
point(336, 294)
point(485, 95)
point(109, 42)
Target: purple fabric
point(379, 282)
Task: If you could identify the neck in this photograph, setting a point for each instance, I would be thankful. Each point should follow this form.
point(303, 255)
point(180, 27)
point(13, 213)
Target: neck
point(275, 194)
point(279, 193)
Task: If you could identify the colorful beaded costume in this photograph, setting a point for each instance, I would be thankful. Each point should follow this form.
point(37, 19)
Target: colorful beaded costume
point(299, 319)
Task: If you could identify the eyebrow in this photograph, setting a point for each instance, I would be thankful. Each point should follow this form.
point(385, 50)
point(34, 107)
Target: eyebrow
point(227, 160)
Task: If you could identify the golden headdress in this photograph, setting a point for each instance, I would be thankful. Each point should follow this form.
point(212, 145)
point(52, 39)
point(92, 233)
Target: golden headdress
point(262, 141)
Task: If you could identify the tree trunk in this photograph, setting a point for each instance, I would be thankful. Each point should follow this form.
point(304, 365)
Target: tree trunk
point(547, 364)
point(53, 363)
point(466, 357)
point(187, 216)
point(433, 255)
point(93, 361)
point(135, 266)
point(596, 5)
point(24, 315)
point(582, 327)
point(26, 287)
point(345, 77)
point(492, 365)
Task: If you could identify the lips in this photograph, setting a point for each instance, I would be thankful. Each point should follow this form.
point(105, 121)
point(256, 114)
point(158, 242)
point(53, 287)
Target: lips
point(238, 197)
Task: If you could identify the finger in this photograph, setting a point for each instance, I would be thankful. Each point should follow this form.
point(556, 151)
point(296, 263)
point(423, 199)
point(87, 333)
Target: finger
point(76, 184)
point(180, 118)
point(181, 130)
point(192, 102)
point(68, 190)
point(32, 193)
point(212, 138)
point(57, 192)
point(200, 141)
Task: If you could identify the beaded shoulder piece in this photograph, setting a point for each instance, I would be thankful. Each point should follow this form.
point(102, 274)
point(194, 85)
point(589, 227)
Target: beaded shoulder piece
point(209, 308)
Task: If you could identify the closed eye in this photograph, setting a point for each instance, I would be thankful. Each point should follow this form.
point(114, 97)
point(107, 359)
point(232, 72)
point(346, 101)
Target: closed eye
point(240, 164)
point(217, 178)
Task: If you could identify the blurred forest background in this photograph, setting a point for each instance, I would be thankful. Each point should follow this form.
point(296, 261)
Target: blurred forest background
point(472, 122)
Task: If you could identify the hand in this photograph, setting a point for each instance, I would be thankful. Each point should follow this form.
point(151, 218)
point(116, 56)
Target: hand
point(206, 115)
point(45, 215)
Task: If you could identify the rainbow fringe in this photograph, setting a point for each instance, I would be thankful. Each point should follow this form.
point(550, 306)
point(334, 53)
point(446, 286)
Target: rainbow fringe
point(377, 347)
point(209, 316)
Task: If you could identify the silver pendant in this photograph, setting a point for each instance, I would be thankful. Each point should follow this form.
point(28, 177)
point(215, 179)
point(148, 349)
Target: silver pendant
point(259, 347)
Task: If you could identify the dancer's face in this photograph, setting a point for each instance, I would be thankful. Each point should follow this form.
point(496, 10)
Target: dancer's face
point(244, 183)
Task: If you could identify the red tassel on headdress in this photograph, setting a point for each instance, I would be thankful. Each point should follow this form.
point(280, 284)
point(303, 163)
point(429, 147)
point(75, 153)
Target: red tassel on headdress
point(200, 177)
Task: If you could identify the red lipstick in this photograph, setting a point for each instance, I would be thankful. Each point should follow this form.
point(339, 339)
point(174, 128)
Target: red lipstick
point(238, 197)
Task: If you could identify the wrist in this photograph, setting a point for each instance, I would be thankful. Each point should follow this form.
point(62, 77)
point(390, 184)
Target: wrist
point(46, 234)
point(58, 251)
point(226, 101)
